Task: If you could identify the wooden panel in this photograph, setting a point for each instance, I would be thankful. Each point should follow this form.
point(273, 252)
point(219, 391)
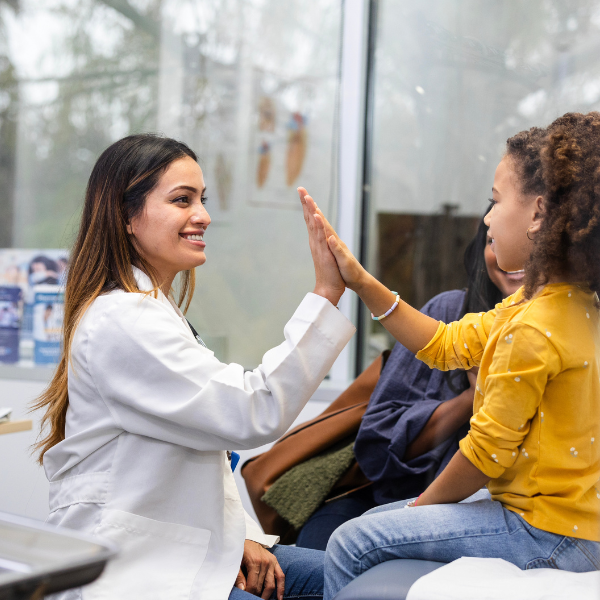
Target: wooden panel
point(14, 426)
point(421, 256)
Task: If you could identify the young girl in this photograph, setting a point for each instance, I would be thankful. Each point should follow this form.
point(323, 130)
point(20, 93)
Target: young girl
point(534, 435)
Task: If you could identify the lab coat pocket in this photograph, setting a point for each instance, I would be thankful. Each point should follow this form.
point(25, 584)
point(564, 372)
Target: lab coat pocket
point(156, 560)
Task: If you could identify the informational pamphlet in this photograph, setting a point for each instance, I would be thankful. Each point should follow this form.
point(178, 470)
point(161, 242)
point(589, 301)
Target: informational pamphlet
point(37, 278)
point(10, 318)
point(48, 311)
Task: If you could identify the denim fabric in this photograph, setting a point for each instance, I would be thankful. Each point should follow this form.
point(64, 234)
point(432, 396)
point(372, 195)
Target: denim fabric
point(316, 532)
point(303, 570)
point(476, 527)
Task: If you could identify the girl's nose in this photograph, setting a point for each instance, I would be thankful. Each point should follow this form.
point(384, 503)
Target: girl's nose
point(487, 218)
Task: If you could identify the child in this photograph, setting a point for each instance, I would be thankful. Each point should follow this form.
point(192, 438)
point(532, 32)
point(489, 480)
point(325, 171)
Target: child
point(534, 434)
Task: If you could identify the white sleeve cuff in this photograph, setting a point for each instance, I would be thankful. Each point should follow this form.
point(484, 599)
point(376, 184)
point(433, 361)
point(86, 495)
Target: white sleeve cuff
point(256, 534)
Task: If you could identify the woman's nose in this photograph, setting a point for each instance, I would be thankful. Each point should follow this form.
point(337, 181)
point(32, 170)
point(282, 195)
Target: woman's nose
point(200, 216)
point(487, 218)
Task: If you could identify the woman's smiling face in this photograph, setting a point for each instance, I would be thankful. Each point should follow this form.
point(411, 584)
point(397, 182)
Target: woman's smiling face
point(512, 215)
point(170, 229)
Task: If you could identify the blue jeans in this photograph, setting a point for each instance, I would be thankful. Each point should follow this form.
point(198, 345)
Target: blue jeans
point(303, 570)
point(476, 527)
point(318, 529)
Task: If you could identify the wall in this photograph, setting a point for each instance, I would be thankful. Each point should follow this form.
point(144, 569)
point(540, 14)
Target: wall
point(23, 485)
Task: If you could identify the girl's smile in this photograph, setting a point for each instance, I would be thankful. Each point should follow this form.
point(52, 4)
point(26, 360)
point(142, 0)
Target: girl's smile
point(513, 215)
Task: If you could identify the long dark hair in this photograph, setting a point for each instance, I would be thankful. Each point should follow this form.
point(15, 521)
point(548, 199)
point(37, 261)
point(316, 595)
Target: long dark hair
point(103, 252)
point(482, 294)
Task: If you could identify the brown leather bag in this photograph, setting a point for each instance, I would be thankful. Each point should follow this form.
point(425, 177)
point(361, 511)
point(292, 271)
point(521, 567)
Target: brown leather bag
point(338, 421)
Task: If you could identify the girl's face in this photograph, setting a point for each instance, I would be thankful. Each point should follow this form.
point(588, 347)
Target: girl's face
point(169, 231)
point(512, 215)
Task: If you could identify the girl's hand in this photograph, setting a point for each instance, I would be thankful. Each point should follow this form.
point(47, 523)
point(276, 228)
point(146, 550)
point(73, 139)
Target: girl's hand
point(351, 270)
point(329, 282)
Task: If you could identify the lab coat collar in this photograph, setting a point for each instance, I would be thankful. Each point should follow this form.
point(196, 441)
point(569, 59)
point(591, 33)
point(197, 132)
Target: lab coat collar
point(144, 284)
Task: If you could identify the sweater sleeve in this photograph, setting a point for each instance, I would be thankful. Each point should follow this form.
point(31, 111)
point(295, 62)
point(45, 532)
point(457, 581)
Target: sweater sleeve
point(459, 345)
point(523, 363)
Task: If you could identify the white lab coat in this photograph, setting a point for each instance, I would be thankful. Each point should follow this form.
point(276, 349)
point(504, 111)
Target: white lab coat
point(151, 415)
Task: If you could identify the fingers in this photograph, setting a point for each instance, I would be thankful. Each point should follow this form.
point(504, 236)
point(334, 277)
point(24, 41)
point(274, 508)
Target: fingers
point(269, 583)
point(280, 575)
point(256, 577)
point(328, 228)
point(320, 228)
point(240, 581)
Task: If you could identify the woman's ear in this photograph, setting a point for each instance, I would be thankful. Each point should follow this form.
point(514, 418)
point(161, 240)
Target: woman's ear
point(539, 211)
point(129, 228)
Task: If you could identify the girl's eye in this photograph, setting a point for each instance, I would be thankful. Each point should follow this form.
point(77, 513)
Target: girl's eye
point(180, 199)
point(204, 199)
point(491, 201)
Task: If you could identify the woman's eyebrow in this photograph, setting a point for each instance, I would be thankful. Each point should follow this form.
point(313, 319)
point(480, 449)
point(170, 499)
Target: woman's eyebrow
point(187, 187)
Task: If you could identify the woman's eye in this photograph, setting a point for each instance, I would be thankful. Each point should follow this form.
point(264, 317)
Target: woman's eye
point(491, 201)
point(180, 199)
point(204, 199)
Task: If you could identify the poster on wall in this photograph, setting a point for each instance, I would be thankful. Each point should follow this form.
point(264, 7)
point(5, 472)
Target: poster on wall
point(31, 286)
point(48, 311)
point(292, 133)
point(280, 144)
point(10, 320)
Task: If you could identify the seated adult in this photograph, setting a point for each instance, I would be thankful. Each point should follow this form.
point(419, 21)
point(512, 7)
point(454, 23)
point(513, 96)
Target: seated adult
point(416, 416)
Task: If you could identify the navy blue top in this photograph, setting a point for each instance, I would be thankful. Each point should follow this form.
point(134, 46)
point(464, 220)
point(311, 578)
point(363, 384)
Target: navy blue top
point(406, 395)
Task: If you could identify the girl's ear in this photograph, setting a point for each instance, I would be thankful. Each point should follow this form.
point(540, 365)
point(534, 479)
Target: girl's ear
point(129, 228)
point(539, 211)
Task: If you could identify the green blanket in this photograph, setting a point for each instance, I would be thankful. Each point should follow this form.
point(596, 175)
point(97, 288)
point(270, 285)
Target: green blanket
point(299, 492)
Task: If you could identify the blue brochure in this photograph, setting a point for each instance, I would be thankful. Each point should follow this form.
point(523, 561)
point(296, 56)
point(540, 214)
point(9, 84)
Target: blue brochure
point(48, 310)
point(10, 317)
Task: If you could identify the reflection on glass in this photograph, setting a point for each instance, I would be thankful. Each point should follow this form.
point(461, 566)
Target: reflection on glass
point(250, 85)
point(453, 80)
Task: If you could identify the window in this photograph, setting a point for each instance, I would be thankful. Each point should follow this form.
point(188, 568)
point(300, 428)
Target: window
point(451, 82)
point(251, 86)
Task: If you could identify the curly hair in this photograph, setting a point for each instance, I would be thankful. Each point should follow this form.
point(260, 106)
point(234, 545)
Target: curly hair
point(568, 242)
point(525, 150)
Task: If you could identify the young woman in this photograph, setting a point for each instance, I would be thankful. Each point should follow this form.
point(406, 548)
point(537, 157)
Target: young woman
point(140, 414)
point(534, 433)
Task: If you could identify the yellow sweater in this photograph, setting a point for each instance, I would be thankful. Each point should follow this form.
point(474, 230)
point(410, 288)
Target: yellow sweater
point(535, 428)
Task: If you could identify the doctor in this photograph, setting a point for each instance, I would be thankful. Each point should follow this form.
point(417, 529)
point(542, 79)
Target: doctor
point(139, 414)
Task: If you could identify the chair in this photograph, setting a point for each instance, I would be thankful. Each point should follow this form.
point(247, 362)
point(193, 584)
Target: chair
point(390, 580)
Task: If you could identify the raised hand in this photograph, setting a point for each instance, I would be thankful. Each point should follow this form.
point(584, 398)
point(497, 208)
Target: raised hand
point(329, 282)
point(411, 328)
point(351, 270)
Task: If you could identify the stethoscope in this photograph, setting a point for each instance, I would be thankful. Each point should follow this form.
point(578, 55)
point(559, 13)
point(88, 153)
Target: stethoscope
point(234, 457)
point(197, 335)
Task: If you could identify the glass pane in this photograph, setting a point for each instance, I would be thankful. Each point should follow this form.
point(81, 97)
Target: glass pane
point(249, 85)
point(454, 80)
